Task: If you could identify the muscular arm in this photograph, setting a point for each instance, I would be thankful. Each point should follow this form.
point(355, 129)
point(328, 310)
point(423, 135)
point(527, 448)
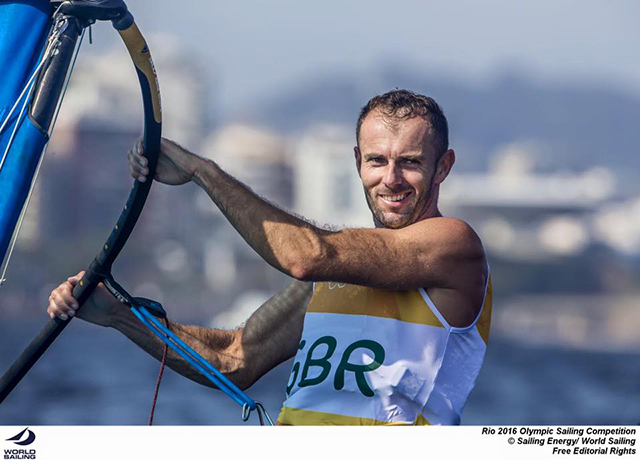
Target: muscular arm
point(435, 253)
point(270, 337)
point(425, 254)
point(440, 254)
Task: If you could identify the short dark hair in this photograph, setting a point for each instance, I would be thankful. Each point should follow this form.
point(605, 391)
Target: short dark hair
point(402, 104)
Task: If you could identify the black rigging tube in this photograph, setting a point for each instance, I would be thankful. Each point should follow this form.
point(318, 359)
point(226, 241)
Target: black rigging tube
point(83, 13)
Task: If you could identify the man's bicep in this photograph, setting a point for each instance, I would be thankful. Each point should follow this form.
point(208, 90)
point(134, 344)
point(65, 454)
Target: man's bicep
point(272, 334)
point(429, 253)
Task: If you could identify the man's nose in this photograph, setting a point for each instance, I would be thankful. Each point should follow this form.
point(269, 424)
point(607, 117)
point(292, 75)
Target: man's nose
point(393, 175)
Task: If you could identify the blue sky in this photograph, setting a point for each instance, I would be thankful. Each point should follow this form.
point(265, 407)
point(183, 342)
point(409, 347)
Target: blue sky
point(250, 47)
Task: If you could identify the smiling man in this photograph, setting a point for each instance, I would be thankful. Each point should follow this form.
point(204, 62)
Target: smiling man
point(387, 325)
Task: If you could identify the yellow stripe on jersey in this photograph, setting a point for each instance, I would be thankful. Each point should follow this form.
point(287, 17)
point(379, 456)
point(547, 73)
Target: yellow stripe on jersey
point(407, 306)
point(293, 416)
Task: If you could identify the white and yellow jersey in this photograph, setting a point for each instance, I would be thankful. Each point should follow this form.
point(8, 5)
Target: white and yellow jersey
point(382, 357)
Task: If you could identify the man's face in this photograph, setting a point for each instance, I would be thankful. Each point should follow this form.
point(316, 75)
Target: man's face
point(396, 161)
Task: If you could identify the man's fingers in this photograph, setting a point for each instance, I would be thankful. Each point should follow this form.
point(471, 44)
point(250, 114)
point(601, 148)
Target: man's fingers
point(137, 153)
point(59, 309)
point(140, 149)
point(56, 312)
point(137, 164)
point(62, 304)
point(63, 298)
point(74, 279)
point(67, 296)
point(137, 171)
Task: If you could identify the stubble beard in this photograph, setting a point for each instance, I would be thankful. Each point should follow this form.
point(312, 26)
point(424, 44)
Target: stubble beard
point(400, 220)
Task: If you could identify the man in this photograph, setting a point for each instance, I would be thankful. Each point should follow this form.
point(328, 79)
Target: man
point(392, 330)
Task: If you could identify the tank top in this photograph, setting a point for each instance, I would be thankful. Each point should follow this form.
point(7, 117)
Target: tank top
point(382, 357)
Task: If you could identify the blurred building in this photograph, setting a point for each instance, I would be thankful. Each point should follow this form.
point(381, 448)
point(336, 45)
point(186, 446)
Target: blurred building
point(525, 214)
point(327, 187)
point(104, 87)
point(618, 225)
point(261, 160)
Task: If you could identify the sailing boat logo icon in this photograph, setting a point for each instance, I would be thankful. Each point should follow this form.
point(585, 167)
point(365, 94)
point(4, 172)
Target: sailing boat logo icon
point(29, 439)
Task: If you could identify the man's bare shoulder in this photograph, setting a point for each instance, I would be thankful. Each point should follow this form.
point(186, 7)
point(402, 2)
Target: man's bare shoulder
point(443, 222)
point(463, 269)
point(450, 231)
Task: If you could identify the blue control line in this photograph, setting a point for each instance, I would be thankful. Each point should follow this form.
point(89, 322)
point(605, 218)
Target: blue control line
point(148, 312)
point(193, 357)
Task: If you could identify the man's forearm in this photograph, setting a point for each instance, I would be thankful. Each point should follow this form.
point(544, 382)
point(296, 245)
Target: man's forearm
point(286, 242)
point(271, 336)
point(220, 348)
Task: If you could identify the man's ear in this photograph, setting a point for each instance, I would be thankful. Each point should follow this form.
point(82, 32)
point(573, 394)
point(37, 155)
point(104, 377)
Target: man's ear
point(358, 157)
point(444, 166)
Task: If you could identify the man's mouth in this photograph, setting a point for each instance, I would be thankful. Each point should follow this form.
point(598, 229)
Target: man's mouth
point(395, 199)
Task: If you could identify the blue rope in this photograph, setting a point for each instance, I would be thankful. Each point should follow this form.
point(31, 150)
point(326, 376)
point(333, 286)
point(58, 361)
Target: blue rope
point(193, 358)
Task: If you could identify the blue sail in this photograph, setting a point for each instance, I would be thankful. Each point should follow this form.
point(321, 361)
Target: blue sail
point(24, 26)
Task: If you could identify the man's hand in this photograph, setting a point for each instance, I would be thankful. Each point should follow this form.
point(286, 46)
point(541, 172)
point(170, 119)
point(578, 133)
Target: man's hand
point(99, 308)
point(176, 165)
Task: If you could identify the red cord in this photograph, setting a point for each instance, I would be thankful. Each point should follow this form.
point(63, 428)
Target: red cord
point(163, 363)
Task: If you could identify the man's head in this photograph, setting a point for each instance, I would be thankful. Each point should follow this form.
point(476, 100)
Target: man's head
point(402, 156)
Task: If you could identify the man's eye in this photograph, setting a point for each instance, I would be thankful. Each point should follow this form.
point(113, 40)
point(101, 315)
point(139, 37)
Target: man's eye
point(377, 160)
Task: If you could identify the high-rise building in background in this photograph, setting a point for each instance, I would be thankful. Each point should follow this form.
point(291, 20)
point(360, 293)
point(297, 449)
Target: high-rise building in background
point(261, 160)
point(327, 186)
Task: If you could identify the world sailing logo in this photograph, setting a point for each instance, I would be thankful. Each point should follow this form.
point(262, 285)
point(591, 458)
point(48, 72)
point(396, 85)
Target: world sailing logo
point(21, 454)
point(30, 438)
